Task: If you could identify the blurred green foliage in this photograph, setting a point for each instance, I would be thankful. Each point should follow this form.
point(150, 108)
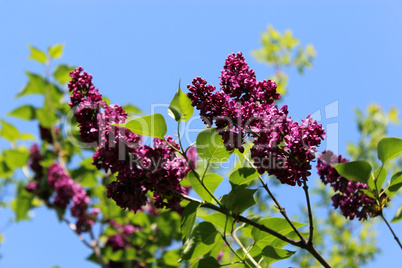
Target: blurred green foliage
point(282, 50)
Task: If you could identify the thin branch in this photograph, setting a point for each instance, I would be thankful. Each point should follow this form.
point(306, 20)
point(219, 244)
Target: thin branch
point(392, 231)
point(281, 209)
point(200, 179)
point(230, 247)
point(243, 248)
point(241, 219)
point(74, 228)
point(310, 214)
point(96, 248)
point(301, 244)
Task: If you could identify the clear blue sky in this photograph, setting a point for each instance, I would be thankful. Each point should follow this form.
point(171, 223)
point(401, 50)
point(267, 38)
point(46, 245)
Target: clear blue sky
point(138, 50)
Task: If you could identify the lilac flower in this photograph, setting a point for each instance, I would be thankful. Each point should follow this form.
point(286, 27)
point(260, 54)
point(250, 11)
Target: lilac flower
point(192, 156)
point(116, 242)
point(34, 159)
point(244, 107)
point(34, 163)
point(87, 103)
point(140, 168)
point(348, 196)
point(66, 191)
point(32, 187)
point(121, 240)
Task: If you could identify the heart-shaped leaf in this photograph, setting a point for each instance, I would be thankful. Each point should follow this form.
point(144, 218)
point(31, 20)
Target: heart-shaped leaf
point(153, 125)
point(359, 171)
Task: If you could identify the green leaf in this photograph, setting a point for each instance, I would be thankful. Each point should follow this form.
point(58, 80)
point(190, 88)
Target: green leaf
point(85, 174)
point(132, 109)
point(54, 94)
point(170, 258)
point(218, 219)
point(153, 125)
point(243, 175)
point(206, 262)
point(8, 131)
point(239, 199)
point(169, 225)
point(210, 146)
point(396, 184)
point(37, 55)
point(5, 171)
point(359, 171)
point(121, 255)
point(35, 85)
point(279, 225)
point(45, 117)
point(389, 148)
point(62, 73)
point(56, 51)
point(180, 108)
point(16, 158)
point(201, 242)
point(26, 136)
point(188, 219)
point(211, 181)
point(398, 215)
point(26, 112)
point(380, 177)
point(23, 203)
point(272, 254)
point(368, 192)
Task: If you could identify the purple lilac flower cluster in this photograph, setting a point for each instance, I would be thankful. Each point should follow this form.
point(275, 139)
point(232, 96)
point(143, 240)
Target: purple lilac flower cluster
point(34, 163)
point(66, 190)
point(46, 134)
point(121, 240)
point(86, 102)
point(141, 168)
point(348, 196)
point(246, 107)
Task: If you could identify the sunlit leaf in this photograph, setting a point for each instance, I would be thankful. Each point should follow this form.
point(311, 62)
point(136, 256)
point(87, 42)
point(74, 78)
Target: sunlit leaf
point(398, 215)
point(244, 175)
point(389, 148)
point(381, 175)
point(26, 112)
point(62, 73)
point(37, 55)
point(16, 158)
point(211, 181)
point(56, 51)
point(180, 108)
point(210, 146)
point(132, 109)
point(8, 131)
point(359, 171)
point(153, 125)
point(218, 219)
point(23, 203)
point(396, 184)
point(36, 85)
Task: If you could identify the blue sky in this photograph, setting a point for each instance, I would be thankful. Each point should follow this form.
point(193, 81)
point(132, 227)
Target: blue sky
point(138, 50)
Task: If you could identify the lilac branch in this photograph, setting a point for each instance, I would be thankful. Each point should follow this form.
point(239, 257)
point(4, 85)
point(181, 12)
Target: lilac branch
point(281, 209)
point(310, 214)
point(392, 231)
